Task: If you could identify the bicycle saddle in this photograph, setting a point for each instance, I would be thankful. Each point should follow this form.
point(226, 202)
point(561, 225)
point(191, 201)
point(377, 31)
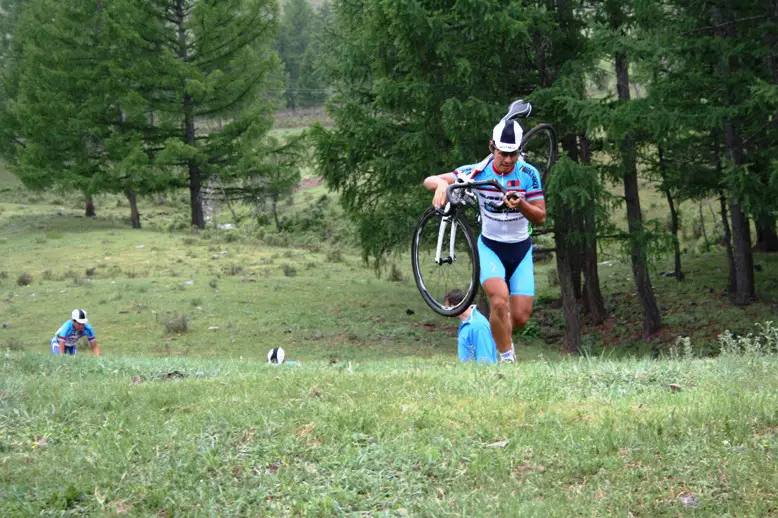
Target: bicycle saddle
point(518, 109)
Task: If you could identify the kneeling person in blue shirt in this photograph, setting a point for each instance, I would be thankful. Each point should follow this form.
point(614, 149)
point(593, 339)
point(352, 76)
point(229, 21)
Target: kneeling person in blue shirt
point(64, 342)
point(475, 341)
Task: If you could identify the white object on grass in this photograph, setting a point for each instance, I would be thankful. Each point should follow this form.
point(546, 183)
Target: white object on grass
point(275, 356)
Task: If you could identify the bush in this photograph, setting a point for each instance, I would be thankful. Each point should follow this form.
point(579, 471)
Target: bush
point(176, 323)
point(289, 270)
point(24, 279)
point(765, 341)
point(531, 329)
point(230, 237)
point(47, 275)
point(682, 348)
point(233, 269)
point(395, 275)
point(277, 240)
point(335, 255)
point(15, 344)
point(80, 281)
point(553, 277)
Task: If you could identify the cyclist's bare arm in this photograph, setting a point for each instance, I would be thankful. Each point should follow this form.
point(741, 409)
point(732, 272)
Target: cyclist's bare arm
point(95, 348)
point(534, 211)
point(438, 184)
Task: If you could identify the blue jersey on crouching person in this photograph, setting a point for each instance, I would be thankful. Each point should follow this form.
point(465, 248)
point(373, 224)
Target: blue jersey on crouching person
point(71, 336)
point(475, 341)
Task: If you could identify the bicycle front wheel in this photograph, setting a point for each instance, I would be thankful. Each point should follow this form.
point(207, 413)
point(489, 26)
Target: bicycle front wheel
point(539, 148)
point(445, 257)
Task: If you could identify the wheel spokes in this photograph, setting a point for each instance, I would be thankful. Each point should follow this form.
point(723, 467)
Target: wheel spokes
point(445, 260)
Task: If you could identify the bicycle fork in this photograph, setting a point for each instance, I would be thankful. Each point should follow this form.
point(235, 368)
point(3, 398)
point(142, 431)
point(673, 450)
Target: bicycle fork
point(441, 234)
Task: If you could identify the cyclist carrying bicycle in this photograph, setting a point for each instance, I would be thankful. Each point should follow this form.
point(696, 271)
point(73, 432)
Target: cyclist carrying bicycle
point(504, 246)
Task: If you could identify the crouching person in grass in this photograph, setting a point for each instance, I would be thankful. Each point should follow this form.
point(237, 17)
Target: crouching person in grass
point(69, 333)
point(474, 339)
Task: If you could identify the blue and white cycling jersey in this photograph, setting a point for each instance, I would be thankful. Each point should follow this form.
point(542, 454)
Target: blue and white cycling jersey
point(498, 222)
point(68, 333)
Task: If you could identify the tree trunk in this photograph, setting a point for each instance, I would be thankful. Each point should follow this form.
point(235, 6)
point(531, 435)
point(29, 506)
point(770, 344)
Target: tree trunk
point(593, 301)
point(741, 233)
point(195, 174)
point(574, 251)
point(576, 257)
point(275, 215)
point(134, 214)
point(766, 237)
point(674, 222)
point(733, 149)
point(674, 225)
point(569, 306)
point(651, 317)
point(702, 225)
point(89, 209)
point(731, 281)
point(744, 262)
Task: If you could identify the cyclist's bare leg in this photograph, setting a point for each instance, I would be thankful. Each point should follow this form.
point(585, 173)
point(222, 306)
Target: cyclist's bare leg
point(521, 310)
point(496, 291)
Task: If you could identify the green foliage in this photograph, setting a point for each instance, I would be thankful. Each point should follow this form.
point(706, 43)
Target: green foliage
point(176, 323)
point(417, 95)
point(129, 112)
point(298, 50)
point(24, 279)
point(14, 344)
point(765, 341)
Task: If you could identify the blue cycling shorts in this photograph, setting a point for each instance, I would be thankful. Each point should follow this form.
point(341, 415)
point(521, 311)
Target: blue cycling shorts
point(54, 344)
point(511, 262)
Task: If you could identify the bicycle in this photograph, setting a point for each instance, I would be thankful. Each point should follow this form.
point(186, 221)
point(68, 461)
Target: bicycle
point(435, 272)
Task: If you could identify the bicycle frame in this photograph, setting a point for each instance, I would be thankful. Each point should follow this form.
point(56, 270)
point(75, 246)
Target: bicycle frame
point(449, 212)
point(441, 233)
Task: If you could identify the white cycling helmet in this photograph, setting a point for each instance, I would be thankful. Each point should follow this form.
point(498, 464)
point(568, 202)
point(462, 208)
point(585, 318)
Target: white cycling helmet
point(276, 355)
point(79, 315)
point(507, 136)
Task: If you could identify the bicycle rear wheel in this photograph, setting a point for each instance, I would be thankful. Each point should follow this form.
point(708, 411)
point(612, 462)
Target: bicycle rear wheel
point(444, 254)
point(539, 148)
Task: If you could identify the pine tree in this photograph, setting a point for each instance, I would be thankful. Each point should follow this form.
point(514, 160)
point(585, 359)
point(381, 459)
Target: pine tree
point(296, 50)
point(81, 126)
point(10, 68)
point(213, 86)
point(418, 85)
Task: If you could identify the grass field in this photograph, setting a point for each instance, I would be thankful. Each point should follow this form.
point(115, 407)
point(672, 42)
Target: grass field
point(180, 436)
point(182, 416)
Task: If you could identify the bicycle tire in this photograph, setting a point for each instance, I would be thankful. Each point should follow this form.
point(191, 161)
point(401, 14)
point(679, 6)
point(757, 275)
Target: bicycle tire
point(544, 145)
point(431, 219)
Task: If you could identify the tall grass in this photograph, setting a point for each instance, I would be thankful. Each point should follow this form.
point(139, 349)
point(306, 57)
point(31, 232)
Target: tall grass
point(585, 437)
